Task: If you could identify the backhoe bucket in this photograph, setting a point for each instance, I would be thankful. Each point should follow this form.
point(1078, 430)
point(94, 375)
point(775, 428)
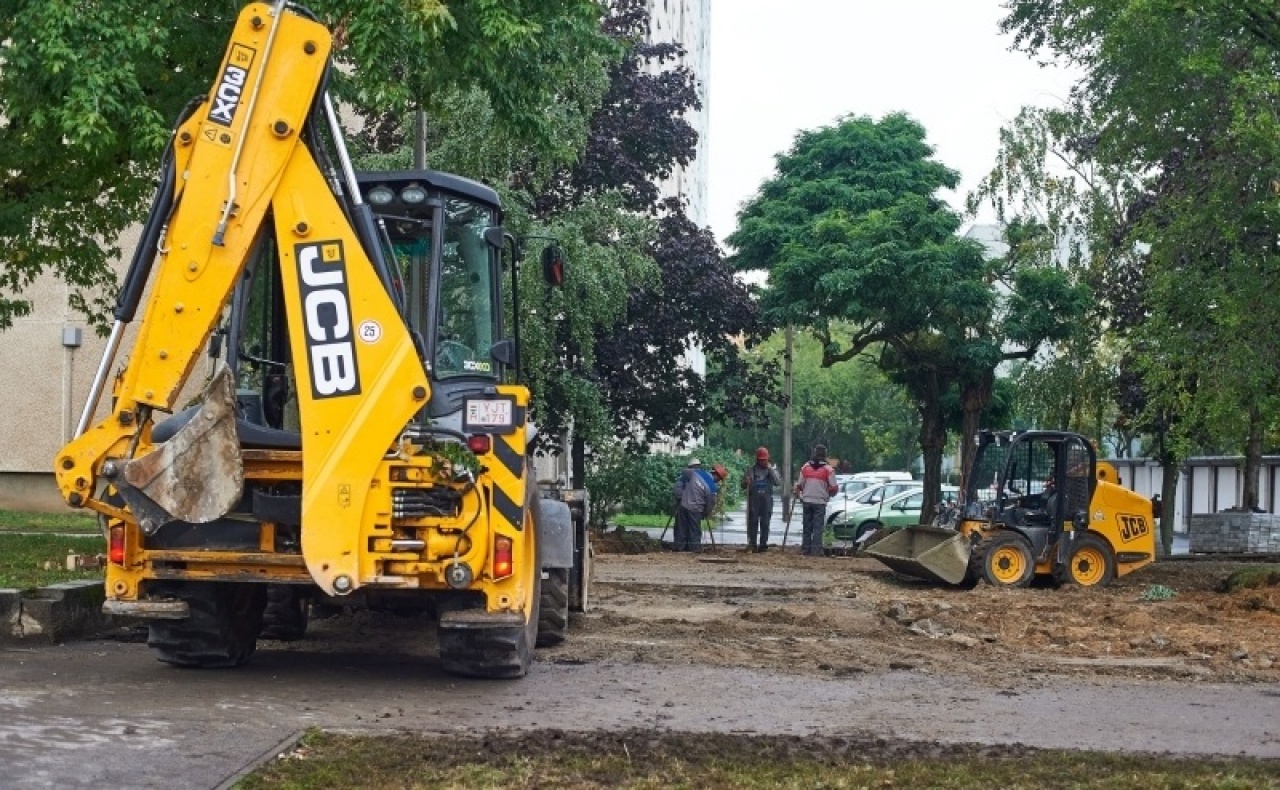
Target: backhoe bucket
point(924, 552)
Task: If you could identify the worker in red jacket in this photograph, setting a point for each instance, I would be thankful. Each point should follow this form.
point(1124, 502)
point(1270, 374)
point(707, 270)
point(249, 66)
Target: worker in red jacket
point(815, 487)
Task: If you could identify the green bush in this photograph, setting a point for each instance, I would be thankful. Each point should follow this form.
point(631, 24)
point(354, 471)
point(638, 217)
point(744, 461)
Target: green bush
point(641, 484)
point(1252, 578)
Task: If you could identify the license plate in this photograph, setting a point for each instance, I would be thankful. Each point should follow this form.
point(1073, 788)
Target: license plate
point(489, 413)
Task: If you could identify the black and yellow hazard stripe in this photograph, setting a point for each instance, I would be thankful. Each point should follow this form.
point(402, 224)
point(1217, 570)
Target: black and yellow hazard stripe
point(509, 474)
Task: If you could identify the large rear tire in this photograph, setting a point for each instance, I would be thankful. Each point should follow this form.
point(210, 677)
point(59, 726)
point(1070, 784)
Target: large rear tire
point(1006, 560)
point(553, 612)
point(1091, 563)
point(286, 614)
point(500, 653)
point(221, 631)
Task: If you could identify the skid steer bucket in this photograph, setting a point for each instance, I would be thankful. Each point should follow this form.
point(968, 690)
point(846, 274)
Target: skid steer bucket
point(925, 552)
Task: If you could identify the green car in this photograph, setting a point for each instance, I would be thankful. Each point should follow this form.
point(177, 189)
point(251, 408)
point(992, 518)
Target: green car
point(900, 510)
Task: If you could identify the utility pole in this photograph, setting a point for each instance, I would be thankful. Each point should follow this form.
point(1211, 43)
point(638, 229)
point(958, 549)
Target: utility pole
point(786, 420)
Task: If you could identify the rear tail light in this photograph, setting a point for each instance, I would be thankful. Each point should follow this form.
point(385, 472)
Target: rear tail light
point(115, 544)
point(501, 557)
point(478, 444)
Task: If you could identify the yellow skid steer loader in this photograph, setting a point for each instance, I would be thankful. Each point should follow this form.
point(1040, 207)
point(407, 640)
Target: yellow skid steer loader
point(1037, 503)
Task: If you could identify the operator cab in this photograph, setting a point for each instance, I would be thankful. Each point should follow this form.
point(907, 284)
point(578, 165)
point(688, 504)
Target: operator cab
point(445, 233)
point(441, 242)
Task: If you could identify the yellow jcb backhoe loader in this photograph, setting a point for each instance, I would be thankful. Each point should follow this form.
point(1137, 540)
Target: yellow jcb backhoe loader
point(363, 435)
point(1036, 503)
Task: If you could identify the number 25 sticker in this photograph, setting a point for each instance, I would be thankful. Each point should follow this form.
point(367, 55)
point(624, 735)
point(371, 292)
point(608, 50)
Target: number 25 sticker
point(370, 331)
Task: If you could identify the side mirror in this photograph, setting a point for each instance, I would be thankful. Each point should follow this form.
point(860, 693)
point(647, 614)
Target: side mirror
point(553, 266)
point(504, 352)
point(495, 236)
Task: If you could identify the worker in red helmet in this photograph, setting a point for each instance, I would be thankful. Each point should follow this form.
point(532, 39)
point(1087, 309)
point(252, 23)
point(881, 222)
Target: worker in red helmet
point(759, 482)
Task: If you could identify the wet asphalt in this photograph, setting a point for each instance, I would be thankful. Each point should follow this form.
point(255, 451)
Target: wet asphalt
point(106, 714)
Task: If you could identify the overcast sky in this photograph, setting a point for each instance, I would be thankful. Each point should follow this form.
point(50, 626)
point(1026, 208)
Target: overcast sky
point(778, 68)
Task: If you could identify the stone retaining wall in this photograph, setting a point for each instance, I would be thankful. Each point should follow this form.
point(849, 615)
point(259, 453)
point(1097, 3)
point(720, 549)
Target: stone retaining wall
point(1235, 533)
point(55, 613)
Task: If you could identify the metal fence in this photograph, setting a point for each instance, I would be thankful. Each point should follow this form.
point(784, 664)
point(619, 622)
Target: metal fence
point(1207, 484)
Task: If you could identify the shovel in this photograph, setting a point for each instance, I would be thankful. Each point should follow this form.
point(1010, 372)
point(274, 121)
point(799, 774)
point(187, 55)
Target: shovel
point(791, 506)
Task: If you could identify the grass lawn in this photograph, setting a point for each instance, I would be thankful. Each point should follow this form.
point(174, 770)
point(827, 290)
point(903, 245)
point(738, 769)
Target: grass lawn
point(70, 521)
point(656, 759)
point(637, 521)
point(22, 559)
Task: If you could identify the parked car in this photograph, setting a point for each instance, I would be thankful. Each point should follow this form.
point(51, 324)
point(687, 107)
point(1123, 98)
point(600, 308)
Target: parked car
point(892, 512)
point(853, 497)
point(853, 483)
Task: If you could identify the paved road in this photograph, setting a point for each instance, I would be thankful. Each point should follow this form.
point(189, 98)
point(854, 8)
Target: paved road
point(104, 713)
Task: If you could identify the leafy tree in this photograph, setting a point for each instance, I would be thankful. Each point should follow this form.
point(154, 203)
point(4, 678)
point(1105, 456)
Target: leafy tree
point(1062, 211)
point(638, 136)
point(695, 301)
point(1187, 94)
point(865, 420)
point(861, 251)
point(88, 92)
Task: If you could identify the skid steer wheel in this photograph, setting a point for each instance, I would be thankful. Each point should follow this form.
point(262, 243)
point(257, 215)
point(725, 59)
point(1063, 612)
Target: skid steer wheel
point(1006, 560)
point(1090, 564)
point(286, 615)
point(553, 612)
point(222, 630)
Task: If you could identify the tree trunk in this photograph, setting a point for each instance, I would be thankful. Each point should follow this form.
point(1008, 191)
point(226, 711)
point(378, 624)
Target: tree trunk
point(1169, 503)
point(1252, 460)
point(1168, 494)
point(975, 399)
point(933, 441)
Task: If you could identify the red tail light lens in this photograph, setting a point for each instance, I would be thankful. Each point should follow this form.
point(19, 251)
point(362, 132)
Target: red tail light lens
point(478, 444)
point(115, 545)
point(501, 557)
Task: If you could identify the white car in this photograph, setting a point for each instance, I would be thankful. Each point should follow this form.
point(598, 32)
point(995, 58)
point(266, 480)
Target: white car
point(860, 493)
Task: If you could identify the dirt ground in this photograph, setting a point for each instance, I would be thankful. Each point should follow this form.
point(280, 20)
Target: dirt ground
point(837, 616)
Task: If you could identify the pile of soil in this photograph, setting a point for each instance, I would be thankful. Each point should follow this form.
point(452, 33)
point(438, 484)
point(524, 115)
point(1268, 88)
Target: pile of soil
point(620, 540)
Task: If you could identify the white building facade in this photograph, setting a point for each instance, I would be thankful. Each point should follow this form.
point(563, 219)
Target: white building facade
point(688, 22)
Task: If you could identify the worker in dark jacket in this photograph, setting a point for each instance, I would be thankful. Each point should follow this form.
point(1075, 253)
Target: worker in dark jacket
point(759, 482)
point(816, 486)
point(695, 493)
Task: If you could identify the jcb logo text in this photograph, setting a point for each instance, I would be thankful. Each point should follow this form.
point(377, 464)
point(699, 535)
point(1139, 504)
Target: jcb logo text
point(1132, 527)
point(326, 314)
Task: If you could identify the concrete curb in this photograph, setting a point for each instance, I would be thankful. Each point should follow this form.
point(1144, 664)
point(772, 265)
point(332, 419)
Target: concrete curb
point(55, 613)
